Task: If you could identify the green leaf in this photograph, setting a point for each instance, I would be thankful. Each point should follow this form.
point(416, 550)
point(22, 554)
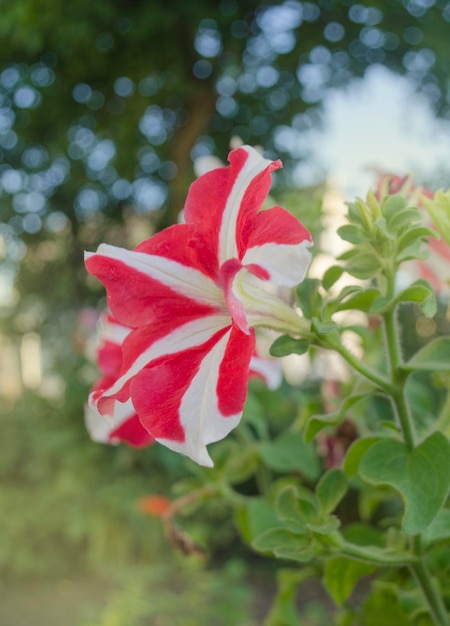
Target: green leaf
point(352, 233)
point(255, 518)
point(421, 476)
point(422, 293)
point(404, 217)
point(353, 213)
point(283, 611)
point(356, 452)
point(317, 422)
point(379, 304)
point(435, 356)
point(361, 301)
point(439, 210)
point(331, 276)
point(288, 508)
point(285, 544)
point(363, 265)
point(439, 529)
point(309, 298)
point(330, 489)
point(284, 345)
point(290, 453)
point(342, 574)
point(392, 206)
point(414, 234)
point(325, 526)
point(383, 229)
point(412, 252)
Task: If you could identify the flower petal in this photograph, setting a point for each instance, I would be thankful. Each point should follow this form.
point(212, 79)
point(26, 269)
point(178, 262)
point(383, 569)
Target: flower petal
point(226, 200)
point(153, 344)
point(278, 244)
point(144, 288)
point(196, 396)
point(125, 427)
point(269, 370)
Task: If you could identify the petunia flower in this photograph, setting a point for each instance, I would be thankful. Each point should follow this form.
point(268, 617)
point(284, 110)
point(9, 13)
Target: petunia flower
point(193, 294)
point(124, 424)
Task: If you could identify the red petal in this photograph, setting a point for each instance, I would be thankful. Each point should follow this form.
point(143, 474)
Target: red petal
point(132, 432)
point(234, 372)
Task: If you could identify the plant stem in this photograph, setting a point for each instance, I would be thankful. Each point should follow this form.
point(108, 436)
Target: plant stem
point(379, 557)
point(398, 378)
point(359, 366)
point(423, 578)
point(419, 567)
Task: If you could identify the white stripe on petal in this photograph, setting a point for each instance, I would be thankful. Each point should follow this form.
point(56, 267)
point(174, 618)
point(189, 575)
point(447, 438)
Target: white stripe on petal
point(254, 165)
point(202, 421)
point(112, 331)
point(269, 369)
point(186, 281)
point(99, 427)
point(286, 263)
point(182, 338)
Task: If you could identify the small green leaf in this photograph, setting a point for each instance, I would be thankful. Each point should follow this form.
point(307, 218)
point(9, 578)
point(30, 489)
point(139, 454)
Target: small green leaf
point(383, 229)
point(323, 328)
point(285, 544)
point(317, 422)
point(288, 509)
point(255, 518)
point(439, 529)
point(331, 276)
point(363, 265)
point(421, 476)
point(342, 574)
point(414, 251)
point(379, 304)
point(353, 213)
point(352, 233)
point(414, 234)
point(392, 206)
point(289, 453)
point(330, 489)
point(435, 356)
point(439, 210)
point(280, 538)
point(404, 217)
point(361, 301)
point(356, 452)
point(326, 526)
point(284, 345)
point(422, 293)
point(309, 298)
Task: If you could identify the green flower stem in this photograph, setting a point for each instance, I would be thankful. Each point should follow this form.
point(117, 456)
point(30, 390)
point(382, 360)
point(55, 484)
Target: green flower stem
point(421, 573)
point(357, 365)
point(380, 558)
point(398, 379)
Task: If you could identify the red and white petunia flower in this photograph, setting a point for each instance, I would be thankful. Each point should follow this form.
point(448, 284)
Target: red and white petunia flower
point(193, 294)
point(123, 426)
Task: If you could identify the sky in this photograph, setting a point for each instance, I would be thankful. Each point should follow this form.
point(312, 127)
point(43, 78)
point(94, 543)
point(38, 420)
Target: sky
point(378, 121)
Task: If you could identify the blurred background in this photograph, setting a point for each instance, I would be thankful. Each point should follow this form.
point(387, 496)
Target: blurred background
point(104, 108)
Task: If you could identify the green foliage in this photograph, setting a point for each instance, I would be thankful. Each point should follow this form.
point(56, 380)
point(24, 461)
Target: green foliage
point(193, 596)
point(421, 476)
point(289, 453)
point(439, 209)
point(435, 356)
point(342, 574)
